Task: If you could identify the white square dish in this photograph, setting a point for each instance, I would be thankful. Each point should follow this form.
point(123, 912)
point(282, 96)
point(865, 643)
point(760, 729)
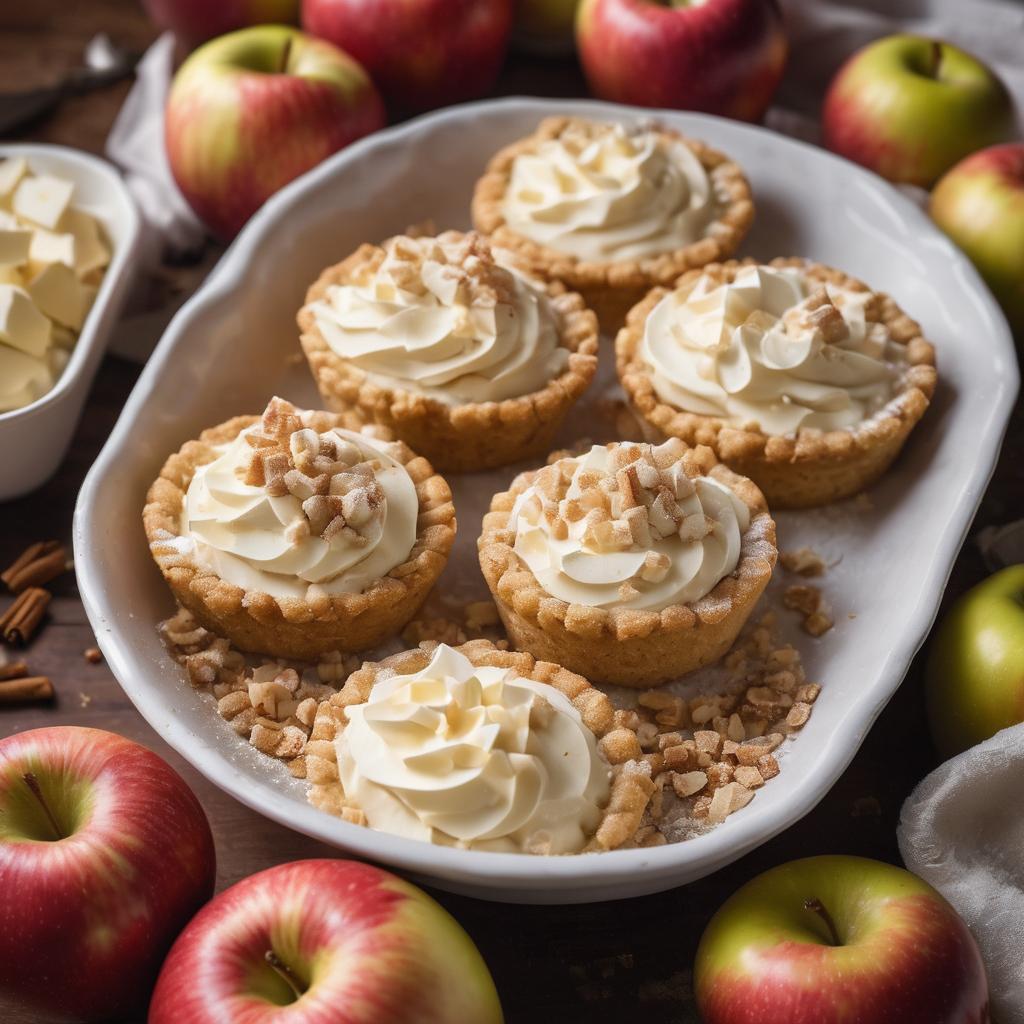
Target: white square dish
point(235, 342)
point(34, 438)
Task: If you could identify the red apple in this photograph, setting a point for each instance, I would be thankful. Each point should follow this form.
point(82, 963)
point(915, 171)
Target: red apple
point(251, 111)
point(105, 854)
point(324, 942)
point(196, 20)
point(421, 53)
point(909, 108)
point(720, 56)
point(980, 205)
point(832, 940)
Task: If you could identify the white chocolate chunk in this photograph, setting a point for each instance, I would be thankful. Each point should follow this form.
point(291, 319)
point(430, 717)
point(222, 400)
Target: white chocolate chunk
point(14, 245)
point(48, 247)
point(10, 275)
point(23, 378)
point(59, 294)
point(12, 170)
point(22, 326)
point(90, 249)
point(42, 199)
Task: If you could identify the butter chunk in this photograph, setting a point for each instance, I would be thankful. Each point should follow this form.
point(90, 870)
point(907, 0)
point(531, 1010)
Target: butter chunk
point(23, 378)
point(48, 247)
point(10, 275)
point(22, 326)
point(14, 245)
point(12, 170)
point(90, 249)
point(42, 199)
point(59, 294)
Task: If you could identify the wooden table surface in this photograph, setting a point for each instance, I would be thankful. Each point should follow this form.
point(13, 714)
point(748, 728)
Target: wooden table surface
point(600, 962)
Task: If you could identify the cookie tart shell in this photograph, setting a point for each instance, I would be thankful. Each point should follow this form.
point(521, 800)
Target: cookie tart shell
point(611, 287)
point(632, 784)
point(291, 627)
point(460, 438)
point(623, 646)
point(812, 467)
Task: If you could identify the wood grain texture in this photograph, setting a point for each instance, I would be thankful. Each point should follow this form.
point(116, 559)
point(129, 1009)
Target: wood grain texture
point(598, 963)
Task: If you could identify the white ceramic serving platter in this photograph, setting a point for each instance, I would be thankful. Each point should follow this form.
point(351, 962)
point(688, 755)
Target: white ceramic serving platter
point(33, 439)
point(234, 344)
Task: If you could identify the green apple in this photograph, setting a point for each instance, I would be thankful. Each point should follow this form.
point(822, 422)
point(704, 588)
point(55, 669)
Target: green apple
point(980, 205)
point(909, 108)
point(975, 670)
point(838, 940)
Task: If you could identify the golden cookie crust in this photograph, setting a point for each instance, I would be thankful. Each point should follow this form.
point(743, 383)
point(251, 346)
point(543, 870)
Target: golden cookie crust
point(291, 627)
point(812, 467)
point(619, 646)
point(632, 785)
point(461, 438)
point(612, 286)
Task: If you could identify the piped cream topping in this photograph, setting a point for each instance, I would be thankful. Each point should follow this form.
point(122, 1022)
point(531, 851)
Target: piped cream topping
point(607, 192)
point(625, 526)
point(473, 756)
point(444, 318)
point(773, 349)
point(284, 507)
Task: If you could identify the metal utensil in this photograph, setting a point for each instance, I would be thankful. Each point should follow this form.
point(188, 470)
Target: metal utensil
point(104, 62)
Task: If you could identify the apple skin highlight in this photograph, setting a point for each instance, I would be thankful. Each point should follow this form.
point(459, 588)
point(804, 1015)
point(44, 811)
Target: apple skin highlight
point(85, 921)
point(904, 953)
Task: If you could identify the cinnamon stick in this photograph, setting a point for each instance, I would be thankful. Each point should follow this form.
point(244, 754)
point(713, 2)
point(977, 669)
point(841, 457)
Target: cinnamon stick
point(21, 620)
point(13, 691)
point(13, 670)
point(37, 564)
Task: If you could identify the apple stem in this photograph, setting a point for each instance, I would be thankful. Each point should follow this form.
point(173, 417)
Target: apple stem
point(285, 54)
point(37, 791)
point(817, 907)
point(936, 57)
point(293, 981)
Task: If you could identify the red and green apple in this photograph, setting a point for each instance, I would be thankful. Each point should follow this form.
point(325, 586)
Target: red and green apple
point(323, 941)
point(421, 53)
point(980, 205)
point(908, 108)
point(975, 668)
point(196, 20)
point(832, 940)
point(719, 56)
point(253, 110)
point(105, 854)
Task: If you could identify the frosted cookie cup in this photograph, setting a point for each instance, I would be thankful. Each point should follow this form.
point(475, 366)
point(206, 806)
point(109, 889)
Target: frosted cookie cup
point(482, 749)
point(631, 564)
point(796, 374)
point(450, 346)
point(291, 537)
point(612, 210)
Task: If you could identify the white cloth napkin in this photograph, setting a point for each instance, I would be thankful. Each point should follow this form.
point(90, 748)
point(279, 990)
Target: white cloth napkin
point(962, 831)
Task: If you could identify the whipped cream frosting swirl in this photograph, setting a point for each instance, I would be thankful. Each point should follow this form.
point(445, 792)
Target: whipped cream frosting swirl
point(610, 193)
point(444, 318)
point(263, 542)
point(772, 349)
point(473, 756)
point(656, 538)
